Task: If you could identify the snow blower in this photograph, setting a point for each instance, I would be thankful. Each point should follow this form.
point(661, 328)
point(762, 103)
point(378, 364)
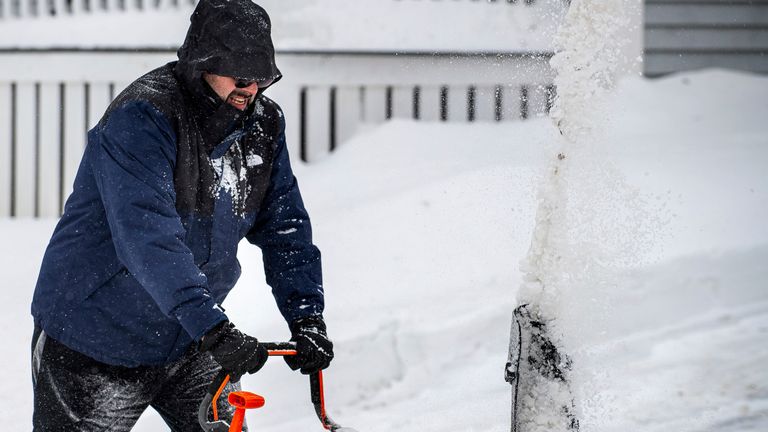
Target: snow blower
point(538, 370)
point(243, 400)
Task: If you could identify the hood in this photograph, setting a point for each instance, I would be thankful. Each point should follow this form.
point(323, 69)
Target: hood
point(229, 38)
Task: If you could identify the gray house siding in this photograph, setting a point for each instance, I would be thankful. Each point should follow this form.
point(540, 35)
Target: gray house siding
point(693, 34)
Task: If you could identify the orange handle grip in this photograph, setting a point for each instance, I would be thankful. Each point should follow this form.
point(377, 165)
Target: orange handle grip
point(242, 400)
point(275, 353)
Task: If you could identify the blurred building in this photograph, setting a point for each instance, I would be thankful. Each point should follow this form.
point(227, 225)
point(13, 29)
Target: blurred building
point(685, 35)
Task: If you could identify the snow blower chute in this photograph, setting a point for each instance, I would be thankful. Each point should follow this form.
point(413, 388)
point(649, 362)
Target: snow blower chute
point(538, 373)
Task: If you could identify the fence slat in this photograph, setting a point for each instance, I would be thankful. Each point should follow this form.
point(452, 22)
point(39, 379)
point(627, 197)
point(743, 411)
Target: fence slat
point(98, 100)
point(5, 9)
point(375, 104)
point(510, 103)
point(50, 148)
point(291, 111)
point(429, 103)
point(485, 103)
point(402, 102)
point(5, 149)
point(537, 95)
point(287, 96)
point(458, 96)
point(113, 5)
point(18, 9)
point(318, 122)
point(347, 113)
point(25, 173)
point(74, 133)
point(119, 87)
point(76, 7)
point(60, 8)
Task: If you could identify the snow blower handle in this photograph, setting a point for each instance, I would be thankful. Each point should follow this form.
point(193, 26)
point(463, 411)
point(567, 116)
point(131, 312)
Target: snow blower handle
point(222, 379)
point(273, 349)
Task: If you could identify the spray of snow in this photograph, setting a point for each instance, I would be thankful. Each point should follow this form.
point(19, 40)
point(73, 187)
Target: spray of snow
point(588, 55)
point(585, 66)
point(590, 223)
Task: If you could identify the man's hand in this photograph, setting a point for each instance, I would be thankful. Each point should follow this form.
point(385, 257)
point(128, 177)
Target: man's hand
point(314, 350)
point(237, 353)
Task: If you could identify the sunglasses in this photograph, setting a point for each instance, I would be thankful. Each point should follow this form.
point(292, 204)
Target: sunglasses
point(243, 82)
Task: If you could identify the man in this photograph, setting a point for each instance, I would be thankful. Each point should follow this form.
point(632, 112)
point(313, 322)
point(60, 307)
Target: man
point(187, 161)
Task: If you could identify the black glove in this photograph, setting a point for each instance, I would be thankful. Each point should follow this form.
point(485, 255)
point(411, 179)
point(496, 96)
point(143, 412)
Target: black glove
point(237, 353)
point(314, 350)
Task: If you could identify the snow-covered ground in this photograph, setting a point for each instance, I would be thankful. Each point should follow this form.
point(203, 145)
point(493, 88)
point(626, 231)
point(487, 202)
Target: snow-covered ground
point(423, 225)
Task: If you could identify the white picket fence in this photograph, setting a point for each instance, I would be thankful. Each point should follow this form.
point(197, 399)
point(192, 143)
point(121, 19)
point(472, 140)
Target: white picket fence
point(48, 101)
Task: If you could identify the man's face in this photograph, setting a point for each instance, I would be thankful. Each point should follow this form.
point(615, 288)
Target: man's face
point(228, 90)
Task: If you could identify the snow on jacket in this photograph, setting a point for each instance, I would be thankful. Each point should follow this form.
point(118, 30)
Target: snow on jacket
point(171, 180)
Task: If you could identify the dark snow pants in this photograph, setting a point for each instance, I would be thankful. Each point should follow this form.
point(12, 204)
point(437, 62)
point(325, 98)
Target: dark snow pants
point(74, 393)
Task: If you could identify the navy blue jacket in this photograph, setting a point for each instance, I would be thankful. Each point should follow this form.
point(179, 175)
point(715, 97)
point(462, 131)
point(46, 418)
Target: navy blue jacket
point(171, 180)
point(127, 280)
